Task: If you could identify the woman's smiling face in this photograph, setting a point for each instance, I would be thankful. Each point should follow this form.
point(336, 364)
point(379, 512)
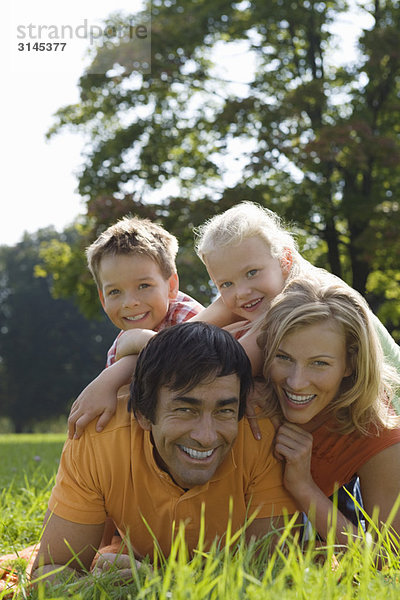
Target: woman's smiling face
point(308, 369)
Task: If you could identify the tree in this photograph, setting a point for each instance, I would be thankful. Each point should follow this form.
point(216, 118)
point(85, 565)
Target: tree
point(48, 350)
point(321, 142)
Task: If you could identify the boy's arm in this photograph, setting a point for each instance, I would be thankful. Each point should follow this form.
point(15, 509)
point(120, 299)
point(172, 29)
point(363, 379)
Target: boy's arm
point(132, 341)
point(100, 397)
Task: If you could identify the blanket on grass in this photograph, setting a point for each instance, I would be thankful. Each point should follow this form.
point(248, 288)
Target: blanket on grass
point(15, 568)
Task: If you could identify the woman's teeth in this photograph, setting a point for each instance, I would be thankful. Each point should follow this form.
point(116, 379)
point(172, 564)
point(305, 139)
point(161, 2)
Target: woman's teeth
point(299, 398)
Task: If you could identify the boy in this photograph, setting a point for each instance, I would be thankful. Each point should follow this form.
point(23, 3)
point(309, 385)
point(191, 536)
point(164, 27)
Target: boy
point(133, 265)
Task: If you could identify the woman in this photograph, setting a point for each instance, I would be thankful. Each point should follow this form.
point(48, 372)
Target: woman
point(331, 389)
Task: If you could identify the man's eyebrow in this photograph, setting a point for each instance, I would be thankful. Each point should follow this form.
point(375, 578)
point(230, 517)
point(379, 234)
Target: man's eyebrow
point(228, 401)
point(197, 402)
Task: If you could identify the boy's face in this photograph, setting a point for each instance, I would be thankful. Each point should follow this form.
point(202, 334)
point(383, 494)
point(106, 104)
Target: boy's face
point(134, 293)
point(247, 276)
point(195, 430)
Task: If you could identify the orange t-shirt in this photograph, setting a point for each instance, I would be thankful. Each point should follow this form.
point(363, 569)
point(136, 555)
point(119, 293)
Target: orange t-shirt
point(114, 474)
point(336, 457)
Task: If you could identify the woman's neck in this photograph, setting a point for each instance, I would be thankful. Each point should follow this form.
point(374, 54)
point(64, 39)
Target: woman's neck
point(317, 421)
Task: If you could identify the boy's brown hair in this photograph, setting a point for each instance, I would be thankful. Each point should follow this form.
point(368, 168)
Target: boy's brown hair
point(132, 235)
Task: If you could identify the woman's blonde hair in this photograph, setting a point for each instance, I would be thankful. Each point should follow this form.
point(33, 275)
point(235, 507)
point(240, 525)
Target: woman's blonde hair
point(243, 221)
point(363, 401)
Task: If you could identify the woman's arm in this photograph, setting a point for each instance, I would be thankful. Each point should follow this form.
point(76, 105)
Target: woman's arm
point(294, 445)
point(380, 484)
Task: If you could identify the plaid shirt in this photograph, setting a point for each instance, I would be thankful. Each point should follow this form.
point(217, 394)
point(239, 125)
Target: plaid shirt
point(182, 308)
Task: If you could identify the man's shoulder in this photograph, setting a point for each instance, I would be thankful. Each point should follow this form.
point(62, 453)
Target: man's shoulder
point(121, 419)
point(112, 447)
point(248, 446)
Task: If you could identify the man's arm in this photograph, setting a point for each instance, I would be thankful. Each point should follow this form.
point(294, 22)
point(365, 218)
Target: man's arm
point(261, 527)
point(63, 539)
point(270, 525)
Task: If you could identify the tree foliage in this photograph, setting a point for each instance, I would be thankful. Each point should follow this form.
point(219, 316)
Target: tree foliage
point(48, 350)
point(314, 140)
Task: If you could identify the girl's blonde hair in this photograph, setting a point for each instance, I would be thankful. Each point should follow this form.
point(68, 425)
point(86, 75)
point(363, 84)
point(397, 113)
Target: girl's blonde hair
point(363, 401)
point(245, 220)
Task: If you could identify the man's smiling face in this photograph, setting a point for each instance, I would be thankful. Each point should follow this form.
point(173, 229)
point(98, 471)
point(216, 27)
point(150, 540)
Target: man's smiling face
point(195, 430)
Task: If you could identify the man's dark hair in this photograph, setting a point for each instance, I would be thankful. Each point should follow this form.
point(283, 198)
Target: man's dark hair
point(184, 356)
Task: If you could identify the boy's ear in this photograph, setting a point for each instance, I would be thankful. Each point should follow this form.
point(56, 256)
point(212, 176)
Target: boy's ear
point(286, 261)
point(101, 296)
point(144, 422)
point(173, 283)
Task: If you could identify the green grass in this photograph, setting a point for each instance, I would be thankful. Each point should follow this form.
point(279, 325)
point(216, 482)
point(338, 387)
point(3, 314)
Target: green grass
point(219, 574)
point(28, 463)
point(22, 454)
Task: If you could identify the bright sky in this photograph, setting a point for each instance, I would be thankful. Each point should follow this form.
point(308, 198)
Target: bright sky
point(38, 177)
point(38, 181)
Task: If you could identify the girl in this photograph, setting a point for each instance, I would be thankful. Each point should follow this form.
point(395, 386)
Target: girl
point(250, 256)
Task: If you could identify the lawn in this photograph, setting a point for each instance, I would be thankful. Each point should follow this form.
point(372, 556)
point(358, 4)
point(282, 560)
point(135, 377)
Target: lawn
point(27, 468)
point(28, 463)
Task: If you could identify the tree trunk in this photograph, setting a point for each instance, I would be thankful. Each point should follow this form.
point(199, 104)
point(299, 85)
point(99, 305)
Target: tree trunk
point(332, 239)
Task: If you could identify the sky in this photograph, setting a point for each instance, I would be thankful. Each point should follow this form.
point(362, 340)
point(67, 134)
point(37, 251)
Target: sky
point(39, 177)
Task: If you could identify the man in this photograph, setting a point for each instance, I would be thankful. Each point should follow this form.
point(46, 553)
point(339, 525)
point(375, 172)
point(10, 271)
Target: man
point(184, 447)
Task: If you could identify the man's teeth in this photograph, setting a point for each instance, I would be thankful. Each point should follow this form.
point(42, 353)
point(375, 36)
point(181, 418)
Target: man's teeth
point(299, 399)
point(197, 453)
point(136, 317)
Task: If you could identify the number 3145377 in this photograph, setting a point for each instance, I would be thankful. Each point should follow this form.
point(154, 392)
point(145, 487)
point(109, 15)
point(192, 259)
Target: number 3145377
point(42, 46)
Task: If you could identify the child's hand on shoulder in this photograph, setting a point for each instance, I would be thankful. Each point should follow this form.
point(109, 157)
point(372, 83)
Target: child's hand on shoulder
point(91, 402)
point(100, 397)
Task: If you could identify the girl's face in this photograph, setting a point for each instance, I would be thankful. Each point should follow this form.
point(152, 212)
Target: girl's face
point(307, 371)
point(247, 276)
